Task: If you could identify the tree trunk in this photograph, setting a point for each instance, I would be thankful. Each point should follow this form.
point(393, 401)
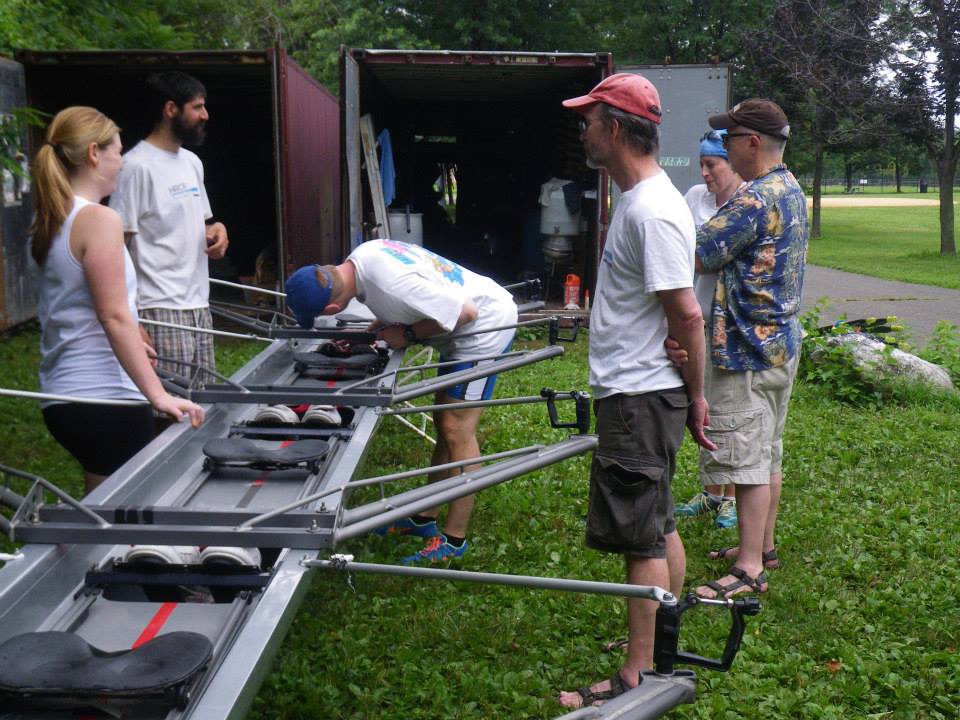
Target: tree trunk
point(896, 171)
point(817, 182)
point(848, 172)
point(946, 169)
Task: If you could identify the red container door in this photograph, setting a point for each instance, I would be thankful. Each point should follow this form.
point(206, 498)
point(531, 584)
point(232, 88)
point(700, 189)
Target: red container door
point(309, 153)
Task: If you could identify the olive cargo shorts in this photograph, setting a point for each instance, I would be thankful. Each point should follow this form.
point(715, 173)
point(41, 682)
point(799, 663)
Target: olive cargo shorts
point(631, 505)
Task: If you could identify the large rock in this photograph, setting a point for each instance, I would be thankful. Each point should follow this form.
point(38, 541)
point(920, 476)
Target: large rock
point(870, 357)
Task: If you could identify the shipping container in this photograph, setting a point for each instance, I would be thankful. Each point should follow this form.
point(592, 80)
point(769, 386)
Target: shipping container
point(474, 137)
point(689, 94)
point(272, 154)
point(17, 303)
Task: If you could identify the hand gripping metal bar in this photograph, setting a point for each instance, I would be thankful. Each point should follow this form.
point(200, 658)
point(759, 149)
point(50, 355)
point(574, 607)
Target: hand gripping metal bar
point(665, 648)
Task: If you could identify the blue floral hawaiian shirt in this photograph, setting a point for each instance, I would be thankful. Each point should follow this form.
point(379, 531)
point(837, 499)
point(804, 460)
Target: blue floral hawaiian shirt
point(757, 245)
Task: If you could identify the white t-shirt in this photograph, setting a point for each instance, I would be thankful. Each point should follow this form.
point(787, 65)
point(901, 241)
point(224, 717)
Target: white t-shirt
point(161, 198)
point(703, 206)
point(403, 283)
point(76, 357)
point(650, 247)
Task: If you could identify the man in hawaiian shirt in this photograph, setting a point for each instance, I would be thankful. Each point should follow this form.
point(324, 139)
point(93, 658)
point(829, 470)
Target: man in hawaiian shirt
point(757, 245)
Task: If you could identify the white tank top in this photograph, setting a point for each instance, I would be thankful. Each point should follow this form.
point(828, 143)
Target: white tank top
point(75, 355)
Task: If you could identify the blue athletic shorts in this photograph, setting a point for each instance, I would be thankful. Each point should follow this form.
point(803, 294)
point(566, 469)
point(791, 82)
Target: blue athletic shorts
point(481, 389)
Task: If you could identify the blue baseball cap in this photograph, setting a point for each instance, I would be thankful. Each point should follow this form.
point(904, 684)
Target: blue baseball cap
point(306, 297)
point(712, 144)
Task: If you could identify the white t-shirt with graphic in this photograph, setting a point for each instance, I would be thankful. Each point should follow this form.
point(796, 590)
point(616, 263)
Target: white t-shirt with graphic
point(161, 198)
point(403, 283)
point(650, 247)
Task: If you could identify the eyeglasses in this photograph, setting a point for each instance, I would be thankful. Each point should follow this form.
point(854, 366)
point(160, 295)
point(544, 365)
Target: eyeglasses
point(712, 136)
point(584, 124)
point(726, 138)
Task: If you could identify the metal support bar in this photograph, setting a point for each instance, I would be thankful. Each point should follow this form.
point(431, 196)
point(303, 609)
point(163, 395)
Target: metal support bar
point(306, 500)
point(270, 537)
point(251, 288)
point(430, 490)
point(525, 400)
point(202, 368)
point(30, 395)
point(34, 500)
point(457, 336)
point(529, 307)
point(533, 284)
point(362, 520)
point(448, 363)
point(422, 433)
point(9, 498)
point(445, 466)
point(645, 592)
point(445, 382)
point(653, 698)
point(205, 331)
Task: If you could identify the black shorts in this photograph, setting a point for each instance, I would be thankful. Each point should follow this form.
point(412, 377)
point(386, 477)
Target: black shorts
point(100, 437)
point(631, 504)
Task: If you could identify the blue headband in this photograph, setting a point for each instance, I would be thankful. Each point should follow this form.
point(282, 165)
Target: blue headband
point(306, 297)
point(712, 144)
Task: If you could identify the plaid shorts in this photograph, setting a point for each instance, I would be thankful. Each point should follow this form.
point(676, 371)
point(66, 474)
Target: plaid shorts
point(181, 346)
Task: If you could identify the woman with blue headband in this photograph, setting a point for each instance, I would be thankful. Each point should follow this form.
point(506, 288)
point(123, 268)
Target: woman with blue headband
point(721, 182)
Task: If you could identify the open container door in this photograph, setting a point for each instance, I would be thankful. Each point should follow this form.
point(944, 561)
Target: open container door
point(309, 158)
point(350, 127)
point(17, 302)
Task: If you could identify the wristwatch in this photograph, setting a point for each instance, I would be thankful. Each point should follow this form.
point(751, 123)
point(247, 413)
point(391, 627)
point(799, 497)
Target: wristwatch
point(409, 335)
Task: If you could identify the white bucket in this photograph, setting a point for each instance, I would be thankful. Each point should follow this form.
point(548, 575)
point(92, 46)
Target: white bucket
point(406, 227)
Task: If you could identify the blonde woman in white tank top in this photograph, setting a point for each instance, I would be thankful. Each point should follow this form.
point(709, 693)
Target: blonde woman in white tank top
point(91, 345)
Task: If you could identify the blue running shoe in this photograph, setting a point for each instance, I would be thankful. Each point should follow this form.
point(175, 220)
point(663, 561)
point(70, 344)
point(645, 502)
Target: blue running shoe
point(726, 515)
point(408, 527)
point(436, 550)
point(699, 504)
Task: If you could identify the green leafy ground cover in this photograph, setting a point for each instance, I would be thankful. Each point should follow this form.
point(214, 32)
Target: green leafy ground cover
point(895, 243)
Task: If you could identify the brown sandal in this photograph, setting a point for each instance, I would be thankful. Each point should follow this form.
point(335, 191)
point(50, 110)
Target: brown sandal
point(754, 584)
point(771, 561)
point(617, 687)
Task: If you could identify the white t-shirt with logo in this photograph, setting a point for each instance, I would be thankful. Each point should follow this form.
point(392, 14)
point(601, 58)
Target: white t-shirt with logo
point(650, 247)
point(161, 198)
point(403, 283)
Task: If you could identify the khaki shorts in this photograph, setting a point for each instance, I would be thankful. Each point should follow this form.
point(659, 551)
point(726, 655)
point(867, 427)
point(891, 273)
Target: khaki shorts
point(747, 413)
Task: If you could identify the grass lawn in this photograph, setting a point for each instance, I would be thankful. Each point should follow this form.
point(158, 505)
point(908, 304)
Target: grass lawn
point(861, 622)
point(896, 243)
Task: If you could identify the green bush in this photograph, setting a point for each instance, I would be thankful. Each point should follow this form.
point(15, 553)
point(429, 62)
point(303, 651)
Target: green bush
point(832, 367)
point(943, 349)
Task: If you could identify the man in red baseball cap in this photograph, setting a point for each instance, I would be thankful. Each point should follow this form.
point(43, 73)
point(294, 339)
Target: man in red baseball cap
point(644, 286)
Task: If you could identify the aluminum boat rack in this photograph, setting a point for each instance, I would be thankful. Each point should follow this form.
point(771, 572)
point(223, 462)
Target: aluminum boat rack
point(83, 627)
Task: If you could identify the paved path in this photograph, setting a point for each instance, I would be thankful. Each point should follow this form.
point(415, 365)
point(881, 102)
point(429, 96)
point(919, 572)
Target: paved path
point(857, 296)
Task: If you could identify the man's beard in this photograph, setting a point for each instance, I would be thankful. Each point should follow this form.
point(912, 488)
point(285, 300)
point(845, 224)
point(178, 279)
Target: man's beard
point(189, 135)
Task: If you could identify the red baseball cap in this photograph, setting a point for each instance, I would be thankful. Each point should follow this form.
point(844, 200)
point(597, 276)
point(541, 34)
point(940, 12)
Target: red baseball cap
point(630, 92)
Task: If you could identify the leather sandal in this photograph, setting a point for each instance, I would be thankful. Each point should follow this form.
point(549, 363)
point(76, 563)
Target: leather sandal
point(771, 561)
point(753, 584)
point(617, 687)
